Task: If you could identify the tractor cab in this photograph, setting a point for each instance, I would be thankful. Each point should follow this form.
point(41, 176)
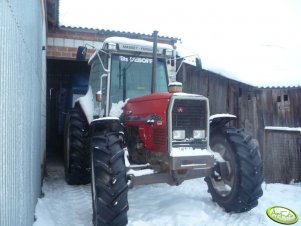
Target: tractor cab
point(122, 69)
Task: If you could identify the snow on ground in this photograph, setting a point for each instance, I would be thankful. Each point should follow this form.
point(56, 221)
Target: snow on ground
point(154, 205)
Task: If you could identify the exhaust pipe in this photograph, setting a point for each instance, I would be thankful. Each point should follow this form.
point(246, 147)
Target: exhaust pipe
point(154, 65)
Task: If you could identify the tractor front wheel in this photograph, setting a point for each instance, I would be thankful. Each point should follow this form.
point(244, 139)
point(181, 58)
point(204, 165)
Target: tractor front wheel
point(240, 189)
point(109, 180)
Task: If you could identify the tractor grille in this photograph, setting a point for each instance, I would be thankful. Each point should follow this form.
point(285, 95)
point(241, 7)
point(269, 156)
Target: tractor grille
point(189, 115)
point(160, 136)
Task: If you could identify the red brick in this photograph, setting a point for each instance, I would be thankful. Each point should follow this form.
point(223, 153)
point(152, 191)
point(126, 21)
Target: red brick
point(72, 49)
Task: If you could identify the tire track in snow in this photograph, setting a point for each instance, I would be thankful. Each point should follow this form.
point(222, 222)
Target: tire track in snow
point(68, 205)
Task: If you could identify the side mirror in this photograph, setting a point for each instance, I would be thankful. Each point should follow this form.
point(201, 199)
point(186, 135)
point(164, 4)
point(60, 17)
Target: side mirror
point(81, 53)
point(198, 63)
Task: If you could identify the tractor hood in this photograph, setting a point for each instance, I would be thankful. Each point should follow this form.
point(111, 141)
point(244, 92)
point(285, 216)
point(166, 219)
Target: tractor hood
point(153, 96)
point(149, 115)
point(153, 116)
point(155, 103)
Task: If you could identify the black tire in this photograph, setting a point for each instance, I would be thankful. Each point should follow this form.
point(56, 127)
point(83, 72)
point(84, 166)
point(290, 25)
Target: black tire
point(109, 180)
point(241, 189)
point(76, 153)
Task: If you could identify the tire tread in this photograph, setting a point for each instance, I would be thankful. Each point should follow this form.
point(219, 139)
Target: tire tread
point(78, 171)
point(109, 165)
point(249, 175)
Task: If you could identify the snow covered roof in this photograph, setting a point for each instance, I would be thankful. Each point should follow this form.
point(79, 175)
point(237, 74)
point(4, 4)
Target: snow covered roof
point(191, 61)
point(279, 87)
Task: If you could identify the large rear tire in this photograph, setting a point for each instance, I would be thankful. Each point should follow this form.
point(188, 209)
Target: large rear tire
point(240, 190)
point(109, 180)
point(76, 153)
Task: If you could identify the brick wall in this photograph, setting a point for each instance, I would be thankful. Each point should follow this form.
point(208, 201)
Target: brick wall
point(62, 52)
point(63, 44)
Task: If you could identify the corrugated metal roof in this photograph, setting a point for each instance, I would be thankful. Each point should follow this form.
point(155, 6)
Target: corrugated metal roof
point(117, 33)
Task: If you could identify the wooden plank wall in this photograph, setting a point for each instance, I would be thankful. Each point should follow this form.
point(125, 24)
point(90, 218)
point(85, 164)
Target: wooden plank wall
point(282, 156)
point(254, 107)
point(225, 95)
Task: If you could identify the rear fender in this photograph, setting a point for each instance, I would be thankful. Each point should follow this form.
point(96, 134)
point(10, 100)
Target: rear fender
point(86, 104)
point(219, 120)
point(107, 124)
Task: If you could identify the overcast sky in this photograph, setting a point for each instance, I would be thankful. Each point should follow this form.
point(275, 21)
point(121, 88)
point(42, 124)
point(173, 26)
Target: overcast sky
point(253, 41)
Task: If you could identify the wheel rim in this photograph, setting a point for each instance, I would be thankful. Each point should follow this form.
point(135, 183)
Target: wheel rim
point(224, 186)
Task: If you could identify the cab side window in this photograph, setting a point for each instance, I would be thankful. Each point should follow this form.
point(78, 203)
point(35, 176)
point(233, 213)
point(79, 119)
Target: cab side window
point(97, 71)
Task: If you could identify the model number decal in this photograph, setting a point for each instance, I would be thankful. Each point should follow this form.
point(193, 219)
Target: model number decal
point(136, 59)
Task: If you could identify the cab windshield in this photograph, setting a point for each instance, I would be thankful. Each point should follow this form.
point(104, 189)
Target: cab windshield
point(131, 76)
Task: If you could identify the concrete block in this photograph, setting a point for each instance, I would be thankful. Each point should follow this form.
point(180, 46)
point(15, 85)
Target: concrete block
point(58, 42)
point(69, 42)
point(78, 43)
point(50, 41)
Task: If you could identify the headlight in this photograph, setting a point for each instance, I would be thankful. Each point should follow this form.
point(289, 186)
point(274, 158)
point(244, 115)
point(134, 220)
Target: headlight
point(199, 134)
point(178, 134)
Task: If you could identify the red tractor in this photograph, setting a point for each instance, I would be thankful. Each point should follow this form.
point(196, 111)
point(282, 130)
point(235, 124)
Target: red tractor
point(134, 127)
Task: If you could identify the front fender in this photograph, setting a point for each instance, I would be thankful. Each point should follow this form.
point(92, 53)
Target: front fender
point(219, 120)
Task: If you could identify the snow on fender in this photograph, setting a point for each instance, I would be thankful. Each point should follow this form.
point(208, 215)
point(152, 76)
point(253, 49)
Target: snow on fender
point(225, 115)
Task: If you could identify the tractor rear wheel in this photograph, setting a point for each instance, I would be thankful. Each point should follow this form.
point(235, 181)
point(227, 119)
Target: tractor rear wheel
point(76, 155)
point(240, 190)
point(109, 180)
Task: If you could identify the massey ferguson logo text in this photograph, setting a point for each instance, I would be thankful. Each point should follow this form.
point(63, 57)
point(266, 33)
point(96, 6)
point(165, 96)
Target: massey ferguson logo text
point(145, 49)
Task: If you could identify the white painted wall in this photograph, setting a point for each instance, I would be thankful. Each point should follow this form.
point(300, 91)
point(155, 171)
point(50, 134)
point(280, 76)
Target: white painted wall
point(74, 43)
